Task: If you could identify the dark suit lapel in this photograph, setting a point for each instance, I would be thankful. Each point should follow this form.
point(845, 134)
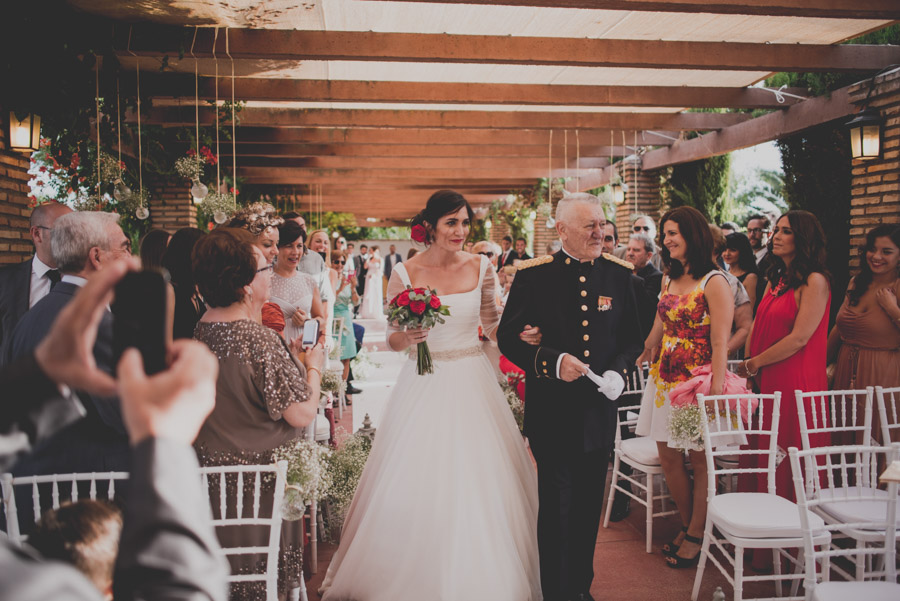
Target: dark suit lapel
point(22, 287)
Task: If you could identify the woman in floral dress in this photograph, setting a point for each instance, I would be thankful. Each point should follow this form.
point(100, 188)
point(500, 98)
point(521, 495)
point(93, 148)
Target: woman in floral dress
point(692, 326)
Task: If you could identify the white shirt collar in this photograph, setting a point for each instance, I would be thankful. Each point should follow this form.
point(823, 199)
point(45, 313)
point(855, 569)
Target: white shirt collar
point(573, 257)
point(761, 253)
point(38, 267)
point(74, 279)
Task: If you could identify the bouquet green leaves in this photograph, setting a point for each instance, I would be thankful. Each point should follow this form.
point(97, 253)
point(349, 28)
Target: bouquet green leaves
point(418, 308)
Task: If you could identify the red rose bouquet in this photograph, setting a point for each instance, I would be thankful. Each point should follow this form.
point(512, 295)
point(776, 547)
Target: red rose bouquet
point(418, 308)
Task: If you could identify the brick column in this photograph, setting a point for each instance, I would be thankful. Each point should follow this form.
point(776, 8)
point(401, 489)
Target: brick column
point(498, 230)
point(875, 184)
point(543, 235)
point(646, 185)
point(171, 206)
point(15, 240)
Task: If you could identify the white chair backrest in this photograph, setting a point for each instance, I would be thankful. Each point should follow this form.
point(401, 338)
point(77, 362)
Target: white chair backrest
point(235, 482)
point(833, 411)
point(829, 465)
point(629, 404)
point(635, 382)
point(722, 424)
point(733, 365)
point(888, 413)
point(53, 487)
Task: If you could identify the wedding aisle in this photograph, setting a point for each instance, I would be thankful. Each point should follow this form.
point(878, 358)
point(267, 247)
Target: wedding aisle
point(623, 570)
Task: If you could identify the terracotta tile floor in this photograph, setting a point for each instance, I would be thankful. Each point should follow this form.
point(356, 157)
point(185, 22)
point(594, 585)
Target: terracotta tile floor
point(623, 570)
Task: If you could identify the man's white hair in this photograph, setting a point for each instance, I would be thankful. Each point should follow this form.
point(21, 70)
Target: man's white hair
point(75, 234)
point(564, 208)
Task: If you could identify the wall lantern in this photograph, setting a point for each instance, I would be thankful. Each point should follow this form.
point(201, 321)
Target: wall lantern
point(618, 192)
point(865, 135)
point(24, 135)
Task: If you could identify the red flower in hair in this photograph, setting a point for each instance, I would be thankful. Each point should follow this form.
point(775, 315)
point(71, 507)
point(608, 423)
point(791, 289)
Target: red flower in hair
point(417, 307)
point(418, 233)
point(435, 302)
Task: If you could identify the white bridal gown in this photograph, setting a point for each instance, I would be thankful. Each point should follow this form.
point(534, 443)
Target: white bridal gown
point(373, 303)
point(446, 508)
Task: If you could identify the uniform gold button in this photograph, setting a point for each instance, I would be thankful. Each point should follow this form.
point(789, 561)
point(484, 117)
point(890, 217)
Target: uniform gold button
point(584, 323)
point(586, 337)
point(587, 353)
point(584, 293)
point(545, 371)
point(568, 261)
point(544, 362)
point(584, 307)
point(582, 279)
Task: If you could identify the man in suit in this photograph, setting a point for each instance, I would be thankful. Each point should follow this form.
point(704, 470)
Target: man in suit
point(640, 253)
point(584, 304)
point(359, 262)
point(84, 243)
point(519, 254)
point(390, 261)
point(506, 250)
point(24, 284)
point(168, 547)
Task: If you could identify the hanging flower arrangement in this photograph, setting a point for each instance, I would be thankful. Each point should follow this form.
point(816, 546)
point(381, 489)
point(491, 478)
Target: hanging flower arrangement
point(217, 206)
point(191, 165)
point(308, 476)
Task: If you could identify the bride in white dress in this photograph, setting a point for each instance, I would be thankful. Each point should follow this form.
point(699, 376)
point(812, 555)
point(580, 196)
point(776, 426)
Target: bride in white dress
point(373, 301)
point(446, 509)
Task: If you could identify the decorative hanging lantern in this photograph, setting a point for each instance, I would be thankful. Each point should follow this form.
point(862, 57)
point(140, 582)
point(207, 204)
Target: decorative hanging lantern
point(25, 134)
point(865, 135)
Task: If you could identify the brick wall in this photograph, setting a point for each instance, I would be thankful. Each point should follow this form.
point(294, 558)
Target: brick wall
point(876, 184)
point(15, 241)
point(171, 206)
point(543, 235)
point(646, 183)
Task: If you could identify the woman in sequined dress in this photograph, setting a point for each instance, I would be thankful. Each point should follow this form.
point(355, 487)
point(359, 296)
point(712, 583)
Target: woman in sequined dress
point(264, 397)
point(446, 508)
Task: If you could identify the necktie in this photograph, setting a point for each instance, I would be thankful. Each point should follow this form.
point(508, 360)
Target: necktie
point(53, 276)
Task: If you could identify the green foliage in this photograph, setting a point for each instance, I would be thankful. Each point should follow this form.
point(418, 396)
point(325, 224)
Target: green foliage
point(762, 192)
point(817, 174)
point(703, 185)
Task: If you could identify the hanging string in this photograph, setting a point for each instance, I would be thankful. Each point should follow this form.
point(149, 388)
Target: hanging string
point(635, 173)
point(624, 167)
point(137, 67)
point(119, 120)
point(196, 99)
point(97, 100)
point(233, 134)
point(565, 156)
point(216, 107)
point(611, 164)
point(577, 162)
point(550, 169)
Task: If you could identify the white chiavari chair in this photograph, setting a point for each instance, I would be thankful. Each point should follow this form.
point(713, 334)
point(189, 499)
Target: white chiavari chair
point(888, 403)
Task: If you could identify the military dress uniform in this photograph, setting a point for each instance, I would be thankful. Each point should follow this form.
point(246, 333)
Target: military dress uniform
point(589, 310)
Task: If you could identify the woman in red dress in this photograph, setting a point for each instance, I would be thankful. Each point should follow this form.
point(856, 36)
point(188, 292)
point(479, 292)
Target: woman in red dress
point(788, 341)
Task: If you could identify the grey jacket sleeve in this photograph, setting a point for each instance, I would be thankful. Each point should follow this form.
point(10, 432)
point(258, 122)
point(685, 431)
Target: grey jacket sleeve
point(168, 548)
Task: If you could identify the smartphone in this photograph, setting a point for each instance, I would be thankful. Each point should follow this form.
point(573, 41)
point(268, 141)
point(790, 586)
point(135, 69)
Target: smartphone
point(139, 318)
point(310, 333)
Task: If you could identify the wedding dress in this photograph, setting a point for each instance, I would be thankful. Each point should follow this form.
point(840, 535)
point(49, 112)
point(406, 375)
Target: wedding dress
point(446, 509)
point(373, 302)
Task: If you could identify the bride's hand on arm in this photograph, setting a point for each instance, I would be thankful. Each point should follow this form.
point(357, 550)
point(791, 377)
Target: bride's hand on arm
point(531, 335)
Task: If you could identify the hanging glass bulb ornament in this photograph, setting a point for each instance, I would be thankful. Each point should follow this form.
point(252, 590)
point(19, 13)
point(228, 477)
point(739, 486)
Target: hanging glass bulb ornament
point(121, 192)
point(199, 190)
point(551, 222)
point(142, 213)
point(220, 217)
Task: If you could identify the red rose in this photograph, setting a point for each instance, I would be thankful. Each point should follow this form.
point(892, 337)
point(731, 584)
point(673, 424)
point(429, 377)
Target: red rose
point(417, 307)
point(418, 233)
point(403, 298)
point(435, 302)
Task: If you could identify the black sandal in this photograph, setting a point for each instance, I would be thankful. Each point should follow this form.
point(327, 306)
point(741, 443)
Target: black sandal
point(670, 548)
point(679, 563)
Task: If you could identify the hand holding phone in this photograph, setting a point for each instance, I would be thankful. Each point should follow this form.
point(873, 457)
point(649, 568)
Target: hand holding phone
point(139, 318)
point(310, 333)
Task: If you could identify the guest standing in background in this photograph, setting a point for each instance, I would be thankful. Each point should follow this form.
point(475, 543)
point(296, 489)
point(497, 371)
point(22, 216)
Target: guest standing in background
point(360, 267)
point(372, 306)
point(691, 329)
point(390, 261)
point(346, 297)
point(411, 253)
point(506, 250)
point(743, 310)
point(865, 340)
point(787, 344)
point(741, 262)
point(519, 254)
point(318, 243)
point(264, 398)
point(153, 247)
point(294, 291)
point(188, 307)
point(640, 252)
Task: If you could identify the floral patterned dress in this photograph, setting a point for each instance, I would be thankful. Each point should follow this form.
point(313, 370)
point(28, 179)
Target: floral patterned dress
point(685, 345)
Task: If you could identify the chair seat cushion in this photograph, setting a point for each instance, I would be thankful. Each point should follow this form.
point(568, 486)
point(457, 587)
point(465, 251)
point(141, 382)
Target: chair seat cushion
point(870, 591)
point(759, 515)
point(323, 428)
point(641, 449)
point(848, 509)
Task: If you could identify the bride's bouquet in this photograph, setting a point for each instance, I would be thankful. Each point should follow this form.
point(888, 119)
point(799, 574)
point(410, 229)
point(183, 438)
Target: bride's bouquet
point(418, 308)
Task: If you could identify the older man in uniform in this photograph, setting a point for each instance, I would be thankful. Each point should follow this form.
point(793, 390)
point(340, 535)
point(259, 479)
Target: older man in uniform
point(583, 301)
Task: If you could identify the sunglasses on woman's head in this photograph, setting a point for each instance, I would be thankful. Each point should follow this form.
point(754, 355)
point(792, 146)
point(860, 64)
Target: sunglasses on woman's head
point(338, 262)
point(486, 253)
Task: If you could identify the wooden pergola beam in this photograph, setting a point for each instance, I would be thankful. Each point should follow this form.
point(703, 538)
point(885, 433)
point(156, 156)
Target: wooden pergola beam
point(537, 165)
point(836, 9)
point(313, 90)
point(375, 173)
point(252, 46)
point(422, 150)
point(353, 118)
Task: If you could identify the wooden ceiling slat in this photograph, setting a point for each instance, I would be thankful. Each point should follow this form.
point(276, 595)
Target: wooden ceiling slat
point(257, 45)
point(537, 165)
point(421, 150)
point(837, 9)
point(351, 118)
point(309, 90)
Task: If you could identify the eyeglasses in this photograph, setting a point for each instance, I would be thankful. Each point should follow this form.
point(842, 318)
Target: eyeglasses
point(756, 230)
point(44, 227)
point(266, 268)
point(487, 253)
point(339, 262)
point(645, 228)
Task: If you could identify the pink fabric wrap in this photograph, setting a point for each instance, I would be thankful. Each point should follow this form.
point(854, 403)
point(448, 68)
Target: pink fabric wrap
point(686, 393)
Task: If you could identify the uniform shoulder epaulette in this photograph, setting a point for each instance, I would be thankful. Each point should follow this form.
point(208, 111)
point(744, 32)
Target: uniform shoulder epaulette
point(535, 261)
point(618, 261)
